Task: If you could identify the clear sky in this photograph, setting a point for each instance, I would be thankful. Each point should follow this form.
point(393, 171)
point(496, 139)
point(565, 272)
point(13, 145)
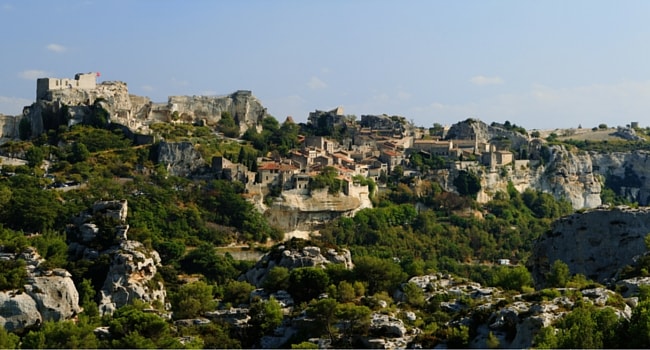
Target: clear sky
point(538, 64)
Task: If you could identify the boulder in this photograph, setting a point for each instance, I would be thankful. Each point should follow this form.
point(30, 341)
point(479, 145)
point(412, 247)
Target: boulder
point(49, 295)
point(117, 209)
point(56, 296)
point(308, 256)
point(18, 311)
point(130, 277)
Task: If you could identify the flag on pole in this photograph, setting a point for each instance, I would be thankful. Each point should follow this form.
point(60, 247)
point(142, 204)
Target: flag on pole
point(98, 74)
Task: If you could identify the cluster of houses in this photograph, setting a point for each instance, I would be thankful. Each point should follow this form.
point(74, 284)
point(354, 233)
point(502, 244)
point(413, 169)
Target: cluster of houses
point(377, 145)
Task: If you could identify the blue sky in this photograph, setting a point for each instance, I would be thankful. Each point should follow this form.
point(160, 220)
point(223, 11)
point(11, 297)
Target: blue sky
point(537, 64)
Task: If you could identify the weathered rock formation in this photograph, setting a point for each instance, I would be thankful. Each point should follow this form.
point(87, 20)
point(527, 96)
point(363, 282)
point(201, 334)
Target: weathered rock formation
point(49, 295)
point(597, 243)
point(73, 105)
point(296, 210)
point(131, 277)
point(133, 267)
point(308, 256)
point(245, 108)
point(9, 126)
point(474, 129)
point(180, 158)
point(514, 323)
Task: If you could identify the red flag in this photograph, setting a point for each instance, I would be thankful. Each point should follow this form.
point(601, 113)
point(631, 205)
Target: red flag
point(98, 74)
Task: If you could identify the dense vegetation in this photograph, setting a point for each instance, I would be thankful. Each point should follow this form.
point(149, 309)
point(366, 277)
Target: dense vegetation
point(414, 228)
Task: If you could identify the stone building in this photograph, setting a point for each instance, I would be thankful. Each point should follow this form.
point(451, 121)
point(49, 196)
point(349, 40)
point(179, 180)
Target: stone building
point(82, 81)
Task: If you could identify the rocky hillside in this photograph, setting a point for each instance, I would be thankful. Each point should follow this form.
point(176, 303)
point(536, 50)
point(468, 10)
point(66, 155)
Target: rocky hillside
point(596, 243)
point(71, 106)
point(474, 129)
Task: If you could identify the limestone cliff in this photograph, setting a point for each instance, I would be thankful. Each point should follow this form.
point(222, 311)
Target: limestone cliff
point(296, 210)
point(245, 108)
point(577, 176)
point(180, 158)
point(9, 126)
point(473, 129)
point(597, 243)
point(71, 105)
point(131, 277)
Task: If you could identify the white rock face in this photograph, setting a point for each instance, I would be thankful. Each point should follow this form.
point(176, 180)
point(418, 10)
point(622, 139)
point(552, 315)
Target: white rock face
point(18, 311)
point(596, 243)
point(180, 158)
point(295, 210)
point(241, 105)
point(307, 257)
point(56, 297)
point(9, 126)
point(50, 295)
point(114, 209)
point(130, 277)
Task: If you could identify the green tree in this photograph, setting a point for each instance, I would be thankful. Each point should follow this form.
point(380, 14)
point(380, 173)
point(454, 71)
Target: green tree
point(559, 274)
point(62, 335)
point(345, 292)
point(35, 157)
point(414, 295)
point(325, 313)
point(227, 125)
point(354, 321)
point(379, 274)
point(467, 184)
point(637, 329)
point(265, 316)
point(14, 274)
point(87, 298)
point(205, 260)
point(492, 341)
point(237, 292)
point(276, 279)
point(306, 283)
point(79, 153)
point(8, 340)
point(513, 278)
point(133, 328)
point(192, 300)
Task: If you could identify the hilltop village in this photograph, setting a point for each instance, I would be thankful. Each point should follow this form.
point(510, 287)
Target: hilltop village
point(204, 222)
point(373, 147)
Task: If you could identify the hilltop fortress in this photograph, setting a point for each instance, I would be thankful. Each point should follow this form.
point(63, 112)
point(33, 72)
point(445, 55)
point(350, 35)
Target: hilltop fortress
point(81, 81)
point(69, 101)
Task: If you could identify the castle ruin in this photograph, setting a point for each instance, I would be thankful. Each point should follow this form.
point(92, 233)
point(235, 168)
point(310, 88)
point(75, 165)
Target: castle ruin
point(82, 81)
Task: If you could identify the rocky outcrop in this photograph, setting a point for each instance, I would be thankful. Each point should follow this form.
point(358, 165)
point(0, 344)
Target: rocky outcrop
point(9, 126)
point(132, 273)
point(245, 108)
point(48, 295)
point(474, 129)
point(180, 158)
point(131, 276)
point(295, 210)
point(73, 105)
point(308, 256)
point(18, 311)
point(515, 322)
point(596, 243)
